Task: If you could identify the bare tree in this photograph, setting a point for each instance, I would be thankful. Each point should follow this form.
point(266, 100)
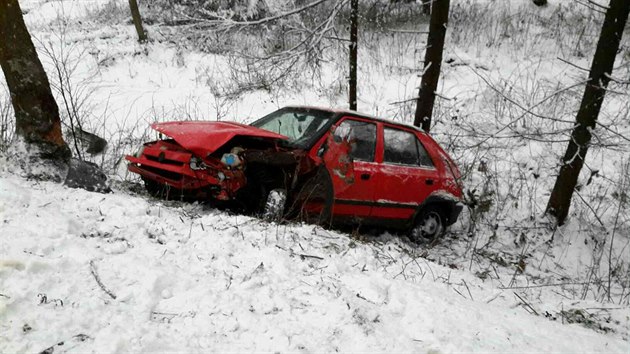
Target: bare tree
point(601, 69)
point(354, 19)
point(432, 64)
point(36, 113)
point(137, 20)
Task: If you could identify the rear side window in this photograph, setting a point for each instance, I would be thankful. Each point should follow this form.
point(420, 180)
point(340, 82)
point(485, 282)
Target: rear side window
point(362, 136)
point(403, 148)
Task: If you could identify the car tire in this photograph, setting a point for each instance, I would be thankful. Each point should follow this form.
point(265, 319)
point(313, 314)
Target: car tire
point(275, 203)
point(153, 188)
point(429, 225)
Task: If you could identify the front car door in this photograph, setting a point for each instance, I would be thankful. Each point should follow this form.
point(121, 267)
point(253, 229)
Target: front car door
point(355, 199)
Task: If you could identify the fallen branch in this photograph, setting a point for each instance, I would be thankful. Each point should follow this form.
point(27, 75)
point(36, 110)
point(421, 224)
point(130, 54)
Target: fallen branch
point(98, 280)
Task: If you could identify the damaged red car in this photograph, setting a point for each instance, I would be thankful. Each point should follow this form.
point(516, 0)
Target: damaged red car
point(323, 165)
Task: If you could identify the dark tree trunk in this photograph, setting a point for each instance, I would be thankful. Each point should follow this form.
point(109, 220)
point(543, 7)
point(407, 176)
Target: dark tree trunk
point(601, 68)
point(137, 20)
point(432, 64)
point(36, 112)
point(354, 29)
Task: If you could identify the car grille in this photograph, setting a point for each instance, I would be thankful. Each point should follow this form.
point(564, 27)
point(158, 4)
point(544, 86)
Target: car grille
point(163, 160)
point(174, 176)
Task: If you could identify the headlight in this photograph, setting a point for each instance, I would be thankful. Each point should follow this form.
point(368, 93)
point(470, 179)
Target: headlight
point(196, 163)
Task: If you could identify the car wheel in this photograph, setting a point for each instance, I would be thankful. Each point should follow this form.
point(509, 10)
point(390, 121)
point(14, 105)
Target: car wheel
point(153, 188)
point(273, 209)
point(429, 225)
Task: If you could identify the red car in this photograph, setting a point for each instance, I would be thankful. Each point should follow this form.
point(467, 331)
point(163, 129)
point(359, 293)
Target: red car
point(325, 165)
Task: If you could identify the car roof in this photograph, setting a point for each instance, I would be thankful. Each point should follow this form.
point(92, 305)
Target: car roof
point(340, 112)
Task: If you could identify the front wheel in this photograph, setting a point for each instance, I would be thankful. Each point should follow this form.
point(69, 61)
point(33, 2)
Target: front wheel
point(273, 209)
point(429, 225)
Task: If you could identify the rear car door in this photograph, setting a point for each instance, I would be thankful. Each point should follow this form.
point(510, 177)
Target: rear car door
point(406, 175)
point(356, 198)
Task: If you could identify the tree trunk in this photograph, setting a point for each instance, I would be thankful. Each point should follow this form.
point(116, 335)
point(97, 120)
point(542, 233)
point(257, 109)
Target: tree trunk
point(601, 68)
point(137, 20)
point(432, 64)
point(36, 113)
point(354, 28)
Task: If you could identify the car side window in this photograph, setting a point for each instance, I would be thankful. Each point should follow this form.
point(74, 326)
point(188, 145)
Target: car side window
point(362, 136)
point(404, 148)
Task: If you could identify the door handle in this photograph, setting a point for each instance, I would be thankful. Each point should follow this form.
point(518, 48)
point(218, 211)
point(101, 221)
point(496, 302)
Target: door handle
point(428, 181)
point(365, 176)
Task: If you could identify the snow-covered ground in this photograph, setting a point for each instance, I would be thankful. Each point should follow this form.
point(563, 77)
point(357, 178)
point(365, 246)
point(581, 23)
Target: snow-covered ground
point(190, 279)
point(187, 279)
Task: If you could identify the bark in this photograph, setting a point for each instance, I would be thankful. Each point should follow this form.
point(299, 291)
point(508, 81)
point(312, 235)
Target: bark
point(432, 64)
point(586, 119)
point(137, 20)
point(37, 119)
point(354, 26)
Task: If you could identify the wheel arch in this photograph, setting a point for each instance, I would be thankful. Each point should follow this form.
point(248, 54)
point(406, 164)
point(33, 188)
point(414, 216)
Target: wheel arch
point(449, 206)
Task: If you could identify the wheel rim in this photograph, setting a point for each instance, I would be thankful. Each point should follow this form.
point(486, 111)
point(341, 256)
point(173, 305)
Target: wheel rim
point(430, 226)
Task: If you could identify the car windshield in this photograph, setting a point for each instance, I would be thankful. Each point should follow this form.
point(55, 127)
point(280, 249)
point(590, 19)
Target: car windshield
point(301, 125)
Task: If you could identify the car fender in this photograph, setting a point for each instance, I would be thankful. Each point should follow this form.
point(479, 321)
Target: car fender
point(450, 204)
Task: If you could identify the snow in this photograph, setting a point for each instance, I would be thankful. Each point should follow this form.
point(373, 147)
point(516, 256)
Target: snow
point(191, 279)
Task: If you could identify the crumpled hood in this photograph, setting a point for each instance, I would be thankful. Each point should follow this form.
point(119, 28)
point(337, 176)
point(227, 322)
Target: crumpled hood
point(203, 138)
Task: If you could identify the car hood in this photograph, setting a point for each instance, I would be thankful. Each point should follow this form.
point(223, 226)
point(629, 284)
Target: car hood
point(203, 138)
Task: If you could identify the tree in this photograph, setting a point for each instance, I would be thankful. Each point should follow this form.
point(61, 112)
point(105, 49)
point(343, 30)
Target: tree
point(586, 119)
point(137, 20)
point(432, 64)
point(354, 19)
point(37, 119)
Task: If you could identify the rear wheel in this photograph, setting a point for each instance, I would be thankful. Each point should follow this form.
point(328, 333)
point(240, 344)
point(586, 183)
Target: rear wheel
point(429, 226)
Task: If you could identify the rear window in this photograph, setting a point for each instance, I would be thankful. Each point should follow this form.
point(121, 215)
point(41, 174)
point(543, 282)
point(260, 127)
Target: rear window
point(404, 148)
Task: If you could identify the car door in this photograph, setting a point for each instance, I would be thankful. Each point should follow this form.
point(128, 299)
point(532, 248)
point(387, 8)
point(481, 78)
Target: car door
point(355, 197)
point(406, 174)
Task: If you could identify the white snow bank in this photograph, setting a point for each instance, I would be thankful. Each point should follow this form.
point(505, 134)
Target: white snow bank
point(191, 280)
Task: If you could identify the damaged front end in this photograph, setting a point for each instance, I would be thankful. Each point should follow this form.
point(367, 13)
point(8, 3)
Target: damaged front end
point(202, 160)
point(166, 165)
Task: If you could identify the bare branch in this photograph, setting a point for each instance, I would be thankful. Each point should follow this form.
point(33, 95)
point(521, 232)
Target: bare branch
point(98, 280)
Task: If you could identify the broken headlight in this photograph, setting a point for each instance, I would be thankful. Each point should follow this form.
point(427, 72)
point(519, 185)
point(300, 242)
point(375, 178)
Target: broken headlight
point(196, 163)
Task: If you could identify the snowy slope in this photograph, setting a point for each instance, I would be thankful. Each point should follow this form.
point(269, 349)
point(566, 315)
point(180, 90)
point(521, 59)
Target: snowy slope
point(189, 279)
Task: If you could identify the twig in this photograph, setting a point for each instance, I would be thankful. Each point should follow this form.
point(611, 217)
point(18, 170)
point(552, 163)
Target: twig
point(302, 256)
point(466, 285)
point(573, 65)
point(526, 303)
point(591, 208)
point(98, 280)
point(538, 286)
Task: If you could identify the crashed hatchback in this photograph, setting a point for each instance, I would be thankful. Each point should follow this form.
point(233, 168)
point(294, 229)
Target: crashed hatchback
point(323, 165)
